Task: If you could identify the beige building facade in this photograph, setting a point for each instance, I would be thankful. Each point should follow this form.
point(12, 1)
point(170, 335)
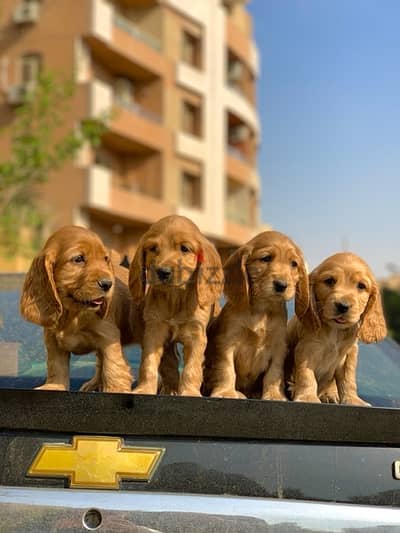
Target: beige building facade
point(179, 78)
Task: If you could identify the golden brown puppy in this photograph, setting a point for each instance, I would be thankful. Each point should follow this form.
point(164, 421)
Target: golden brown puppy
point(247, 341)
point(345, 305)
point(76, 290)
point(178, 274)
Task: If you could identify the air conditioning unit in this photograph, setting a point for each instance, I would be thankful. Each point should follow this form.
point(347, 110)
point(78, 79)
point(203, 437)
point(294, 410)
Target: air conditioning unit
point(123, 90)
point(16, 94)
point(235, 71)
point(27, 12)
point(239, 134)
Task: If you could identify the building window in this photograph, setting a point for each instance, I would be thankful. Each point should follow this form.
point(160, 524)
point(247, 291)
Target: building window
point(191, 49)
point(31, 66)
point(191, 118)
point(191, 190)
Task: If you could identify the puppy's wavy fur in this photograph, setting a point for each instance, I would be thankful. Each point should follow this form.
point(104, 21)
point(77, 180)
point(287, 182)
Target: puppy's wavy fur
point(345, 305)
point(76, 290)
point(178, 275)
point(247, 341)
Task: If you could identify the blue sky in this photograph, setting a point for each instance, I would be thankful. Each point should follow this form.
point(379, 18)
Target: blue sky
point(329, 101)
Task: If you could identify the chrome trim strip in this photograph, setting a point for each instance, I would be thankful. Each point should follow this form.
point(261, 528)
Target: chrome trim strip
point(322, 516)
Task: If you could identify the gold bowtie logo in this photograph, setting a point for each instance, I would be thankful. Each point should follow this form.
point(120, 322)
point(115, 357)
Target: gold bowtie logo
point(96, 462)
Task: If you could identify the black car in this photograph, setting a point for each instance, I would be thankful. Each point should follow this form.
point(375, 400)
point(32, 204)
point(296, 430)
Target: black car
point(72, 461)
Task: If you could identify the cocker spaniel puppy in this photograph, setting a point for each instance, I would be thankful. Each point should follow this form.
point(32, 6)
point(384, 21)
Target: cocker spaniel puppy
point(178, 275)
point(76, 290)
point(247, 341)
point(345, 305)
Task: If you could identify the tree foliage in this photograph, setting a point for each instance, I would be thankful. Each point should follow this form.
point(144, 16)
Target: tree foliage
point(40, 144)
point(391, 305)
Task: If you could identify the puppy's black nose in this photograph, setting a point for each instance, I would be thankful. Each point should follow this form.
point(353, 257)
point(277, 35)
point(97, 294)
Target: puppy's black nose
point(105, 284)
point(342, 307)
point(279, 285)
point(164, 273)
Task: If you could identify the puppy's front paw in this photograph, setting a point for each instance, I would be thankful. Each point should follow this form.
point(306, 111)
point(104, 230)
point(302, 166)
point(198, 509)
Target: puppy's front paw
point(189, 392)
point(354, 400)
point(228, 394)
point(52, 386)
point(91, 386)
point(309, 398)
point(274, 395)
point(144, 389)
point(328, 397)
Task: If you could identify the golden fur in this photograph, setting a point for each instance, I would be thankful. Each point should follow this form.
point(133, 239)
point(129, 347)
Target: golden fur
point(345, 305)
point(177, 273)
point(76, 290)
point(247, 341)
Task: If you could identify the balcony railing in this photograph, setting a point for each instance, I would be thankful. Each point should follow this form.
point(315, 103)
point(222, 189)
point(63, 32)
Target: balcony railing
point(136, 108)
point(236, 153)
point(128, 26)
point(238, 215)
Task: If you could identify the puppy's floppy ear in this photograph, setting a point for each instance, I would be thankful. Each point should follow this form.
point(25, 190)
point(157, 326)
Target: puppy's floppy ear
point(302, 297)
point(310, 317)
point(209, 275)
point(372, 323)
point(137, 274)
point(40, 302)
point(236, 277)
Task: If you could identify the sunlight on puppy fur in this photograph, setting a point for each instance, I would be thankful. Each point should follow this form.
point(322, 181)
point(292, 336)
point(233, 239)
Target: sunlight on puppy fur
point(177, 274)
point(76, 290)
point(247, 341)
point(345, 305)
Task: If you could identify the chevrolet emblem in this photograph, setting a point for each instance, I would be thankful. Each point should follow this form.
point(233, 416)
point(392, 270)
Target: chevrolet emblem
point(96, 462)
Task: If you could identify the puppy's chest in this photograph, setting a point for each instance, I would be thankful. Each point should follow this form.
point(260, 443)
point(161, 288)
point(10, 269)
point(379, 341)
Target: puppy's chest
point(77, 339)
point(255, 345)
point(332, 352)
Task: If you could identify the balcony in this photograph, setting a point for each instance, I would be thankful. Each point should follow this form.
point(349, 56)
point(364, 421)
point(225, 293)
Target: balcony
point(237, 103)
point(122, 45)
point(105, 196)
point(240, 41)
point(241, 148)
point(122, 22)
point(239, 78)
point(237, 167)
point(132, 127)
point(137, 109)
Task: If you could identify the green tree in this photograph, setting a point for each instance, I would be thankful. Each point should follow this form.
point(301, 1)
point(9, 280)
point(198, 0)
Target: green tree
point(39, 146)
point(391, 305)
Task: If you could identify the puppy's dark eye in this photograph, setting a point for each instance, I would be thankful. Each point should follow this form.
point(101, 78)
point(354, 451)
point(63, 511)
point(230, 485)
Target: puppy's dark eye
point(294, 264)
point(330, 282)
point(266, 258)
point(106, 258)
point(361, 286)
point(185, 249)
point(153, 248)
point(78, 259)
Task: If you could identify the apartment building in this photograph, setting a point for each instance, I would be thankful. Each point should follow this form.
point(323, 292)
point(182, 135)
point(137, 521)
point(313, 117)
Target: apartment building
point(182, 137)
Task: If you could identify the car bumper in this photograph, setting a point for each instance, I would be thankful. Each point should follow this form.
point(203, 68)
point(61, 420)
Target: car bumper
point(32, 509)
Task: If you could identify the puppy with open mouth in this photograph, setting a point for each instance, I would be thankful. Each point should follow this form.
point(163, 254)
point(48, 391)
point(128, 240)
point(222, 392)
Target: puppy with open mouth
point(77, 291)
